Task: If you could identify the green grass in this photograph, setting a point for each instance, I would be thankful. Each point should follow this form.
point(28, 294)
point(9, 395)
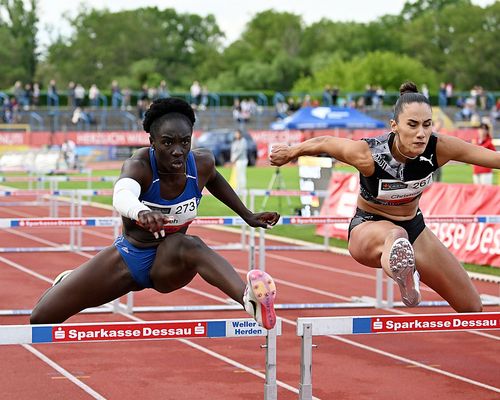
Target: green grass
point(262, 178)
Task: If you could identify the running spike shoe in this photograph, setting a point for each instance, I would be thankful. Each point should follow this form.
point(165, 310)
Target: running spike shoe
point(259, 296)
point(61, 276)
point(404, 271)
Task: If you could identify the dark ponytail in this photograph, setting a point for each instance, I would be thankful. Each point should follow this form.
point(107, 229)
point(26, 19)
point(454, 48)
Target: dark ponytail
point(408, 93)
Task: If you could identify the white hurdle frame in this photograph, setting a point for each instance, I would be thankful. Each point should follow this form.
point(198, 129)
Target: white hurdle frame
point(377, 324)
point(75, 244)
point(151, 330)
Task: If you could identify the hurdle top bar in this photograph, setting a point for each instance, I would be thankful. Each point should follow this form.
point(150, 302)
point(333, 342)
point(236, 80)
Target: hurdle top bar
point(376, 324)
point(119, 331)
point(223, 220)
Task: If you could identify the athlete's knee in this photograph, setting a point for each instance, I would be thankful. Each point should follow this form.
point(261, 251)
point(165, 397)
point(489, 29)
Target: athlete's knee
point(39, 316)
point(473, 305)
point(189, 248)
point(396, 233)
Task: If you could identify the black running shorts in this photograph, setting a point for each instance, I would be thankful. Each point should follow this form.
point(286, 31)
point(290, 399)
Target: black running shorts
point(413, 227)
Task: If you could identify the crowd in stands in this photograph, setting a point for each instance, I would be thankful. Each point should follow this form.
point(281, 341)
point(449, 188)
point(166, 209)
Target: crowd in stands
point(472, 106)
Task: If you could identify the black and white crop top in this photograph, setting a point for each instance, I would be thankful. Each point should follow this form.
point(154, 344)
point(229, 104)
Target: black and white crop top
point(394, 183)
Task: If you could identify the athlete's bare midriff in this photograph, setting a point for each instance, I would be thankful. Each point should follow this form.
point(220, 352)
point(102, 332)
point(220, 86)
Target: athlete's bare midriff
point(401, 212)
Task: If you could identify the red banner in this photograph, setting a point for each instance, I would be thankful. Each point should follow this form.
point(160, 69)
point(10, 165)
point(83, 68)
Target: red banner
point(476, 243)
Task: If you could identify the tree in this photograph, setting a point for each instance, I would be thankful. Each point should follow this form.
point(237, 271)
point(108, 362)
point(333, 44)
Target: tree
point(18, 40)
point(386, 69)
point(460, 43)
point(105, 45)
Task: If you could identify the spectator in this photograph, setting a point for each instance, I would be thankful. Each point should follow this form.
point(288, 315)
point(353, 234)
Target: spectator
point(326, 98)
point(335, 95)
point(163, 92)
point(437, 125)
point(449, 93)
point(483, 175)
point(27, 96)
point(79, 94)
point(94, 95)
point(18, 92)
point(68, 151)
point(281, 109)
point(9, 109)
point(36, 94)
point(239, 160)
point(292, 105)
point(126, 97)
point(52, 95)
point(204, 97)
point(425, 90)
point(116, 94)
point(195, 91)
point(71, 95)
point(442, 100)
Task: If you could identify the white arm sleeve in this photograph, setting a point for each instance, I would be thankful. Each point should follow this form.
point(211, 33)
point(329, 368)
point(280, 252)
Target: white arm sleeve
point(126, 198)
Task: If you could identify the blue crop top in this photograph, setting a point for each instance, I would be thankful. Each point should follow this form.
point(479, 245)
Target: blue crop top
point(184, 208)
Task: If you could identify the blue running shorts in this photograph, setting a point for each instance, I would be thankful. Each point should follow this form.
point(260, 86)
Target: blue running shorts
point(138, 260)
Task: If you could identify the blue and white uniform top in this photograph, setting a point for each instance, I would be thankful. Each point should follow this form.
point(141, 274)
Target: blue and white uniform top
point(184, 208)
point(394, 183)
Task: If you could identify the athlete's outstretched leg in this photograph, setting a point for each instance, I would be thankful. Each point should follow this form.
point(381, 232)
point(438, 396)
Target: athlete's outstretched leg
point(98, 281)
point(384, 244)
point(180, 257)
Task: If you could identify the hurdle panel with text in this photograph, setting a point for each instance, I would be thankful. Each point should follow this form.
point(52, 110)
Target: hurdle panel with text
point(151, 330)
point(307, 328)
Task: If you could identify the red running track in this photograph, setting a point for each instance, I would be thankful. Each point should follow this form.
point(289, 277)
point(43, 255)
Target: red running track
point(451, 365)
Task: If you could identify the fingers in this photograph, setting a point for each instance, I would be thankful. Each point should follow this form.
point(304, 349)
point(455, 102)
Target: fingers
point(154, 222)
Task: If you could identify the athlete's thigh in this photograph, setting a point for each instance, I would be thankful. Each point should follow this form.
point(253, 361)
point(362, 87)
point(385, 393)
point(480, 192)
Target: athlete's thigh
point(440, 270)
point(367, 240)
point(99, 280)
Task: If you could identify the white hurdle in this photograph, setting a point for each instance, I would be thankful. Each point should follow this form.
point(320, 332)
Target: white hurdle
point(151, 330)
point(309, 327)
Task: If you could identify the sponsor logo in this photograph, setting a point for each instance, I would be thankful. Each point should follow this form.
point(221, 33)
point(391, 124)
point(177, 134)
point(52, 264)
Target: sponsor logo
point(418, 323)
point(164, 330)
point(246, 328)
point(52, 222)
point(422, 158)
point(393, 185)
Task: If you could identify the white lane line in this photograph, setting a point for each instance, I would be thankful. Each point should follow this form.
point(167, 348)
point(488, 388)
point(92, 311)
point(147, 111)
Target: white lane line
point(381, 351)
point(417, 364)
point(64, 372)
point(405, 360)
point(222, 358)
point(25, 270)
point(194, 345)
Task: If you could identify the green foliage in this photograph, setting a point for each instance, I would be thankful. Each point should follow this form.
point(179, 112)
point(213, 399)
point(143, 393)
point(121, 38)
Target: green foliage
point(429, 41)
point(147, 44)
point(18, 41)
point(379, 68)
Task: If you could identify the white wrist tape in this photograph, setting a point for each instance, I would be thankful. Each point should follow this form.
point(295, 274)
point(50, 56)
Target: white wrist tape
point(126, 198)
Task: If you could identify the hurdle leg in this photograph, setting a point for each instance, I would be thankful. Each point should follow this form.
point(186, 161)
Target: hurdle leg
point(270, 386)
point(305, 387)
point(262, 249)
point(251, 249)
point(379, 288)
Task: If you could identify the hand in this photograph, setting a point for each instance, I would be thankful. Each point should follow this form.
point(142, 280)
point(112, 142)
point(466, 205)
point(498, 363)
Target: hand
point(153, 221)
point(263, 219)
point(280, 154)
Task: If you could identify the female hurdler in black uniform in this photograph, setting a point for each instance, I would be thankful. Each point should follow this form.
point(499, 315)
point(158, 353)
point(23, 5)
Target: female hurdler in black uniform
point(157, 194)
point(388, 229)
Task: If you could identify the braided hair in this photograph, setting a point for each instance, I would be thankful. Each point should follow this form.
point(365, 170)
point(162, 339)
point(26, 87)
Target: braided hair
point(408, 93)
point(162, 109)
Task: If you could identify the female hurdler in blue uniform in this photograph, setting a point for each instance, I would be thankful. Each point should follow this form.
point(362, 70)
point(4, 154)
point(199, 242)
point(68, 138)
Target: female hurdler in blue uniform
point(388, 229)
point(157, 194)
